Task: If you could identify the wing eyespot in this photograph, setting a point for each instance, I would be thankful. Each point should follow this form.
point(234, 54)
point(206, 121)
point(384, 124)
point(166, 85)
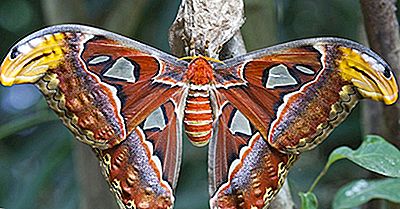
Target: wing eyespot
point(14, 53)
point(387, 73)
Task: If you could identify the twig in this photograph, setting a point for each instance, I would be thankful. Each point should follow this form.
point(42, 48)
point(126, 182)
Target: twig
point(28, 121)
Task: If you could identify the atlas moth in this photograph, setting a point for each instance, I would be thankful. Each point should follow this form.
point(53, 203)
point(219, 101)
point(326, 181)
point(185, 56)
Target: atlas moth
point(257, 112)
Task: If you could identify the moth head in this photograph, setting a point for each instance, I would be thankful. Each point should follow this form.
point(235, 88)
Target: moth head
point(200, 71)
point(30, 59)
point(372, 76)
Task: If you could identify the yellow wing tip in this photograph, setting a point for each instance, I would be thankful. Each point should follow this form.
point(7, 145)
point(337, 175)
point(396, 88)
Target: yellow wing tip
point(390, 99)
point(368, 73)
point(6, 81)
point(34, 58)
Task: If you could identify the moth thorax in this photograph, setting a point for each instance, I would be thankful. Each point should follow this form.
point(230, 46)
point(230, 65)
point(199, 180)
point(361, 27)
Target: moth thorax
point(200, 72)
point(198, 117)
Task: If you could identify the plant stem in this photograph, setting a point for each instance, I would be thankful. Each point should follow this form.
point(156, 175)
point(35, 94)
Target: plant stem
point(321, 174)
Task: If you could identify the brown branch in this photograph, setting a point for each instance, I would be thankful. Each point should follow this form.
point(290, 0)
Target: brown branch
point(383, 35)
point(382, 28)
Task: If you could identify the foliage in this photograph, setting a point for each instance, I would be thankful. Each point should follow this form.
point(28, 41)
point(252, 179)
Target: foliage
point(376, 155)
point(361, 191)
point(308, 200)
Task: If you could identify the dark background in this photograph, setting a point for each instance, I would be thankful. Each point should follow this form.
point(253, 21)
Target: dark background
point(38, 162)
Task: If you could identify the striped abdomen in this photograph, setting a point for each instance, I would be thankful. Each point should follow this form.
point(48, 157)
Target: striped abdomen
point(198, 117)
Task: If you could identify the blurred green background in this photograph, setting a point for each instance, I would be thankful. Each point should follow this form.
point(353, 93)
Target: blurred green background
point(38, 163)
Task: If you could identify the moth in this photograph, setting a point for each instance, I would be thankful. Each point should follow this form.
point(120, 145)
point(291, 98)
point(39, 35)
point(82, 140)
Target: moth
point(257, 112)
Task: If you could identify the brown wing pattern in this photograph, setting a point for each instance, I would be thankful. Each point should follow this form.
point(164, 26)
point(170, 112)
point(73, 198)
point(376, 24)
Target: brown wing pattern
point(164, 131)
point(102, 85)
point(266, 89)
point(296, 93)
point(293, 95)
point(143, 170)
point(244, 170)
point(134, 174)
point(260, 103)
point(254, 177)
point(108, 91)
point(132, 73)
point(225, 147)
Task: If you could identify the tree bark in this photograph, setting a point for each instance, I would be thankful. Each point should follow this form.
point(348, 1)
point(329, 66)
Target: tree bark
point(203, 27)
point(382, 29)
point(207, 28)
point(383, 35)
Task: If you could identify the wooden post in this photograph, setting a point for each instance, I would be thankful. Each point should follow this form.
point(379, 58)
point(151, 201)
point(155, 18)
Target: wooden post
point(382, 29)
point(383, 36)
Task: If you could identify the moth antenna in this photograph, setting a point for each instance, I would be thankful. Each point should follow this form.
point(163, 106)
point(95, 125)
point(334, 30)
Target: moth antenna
point(192, 45)
point(185, 42)
point(206, 48)
point(207, 44)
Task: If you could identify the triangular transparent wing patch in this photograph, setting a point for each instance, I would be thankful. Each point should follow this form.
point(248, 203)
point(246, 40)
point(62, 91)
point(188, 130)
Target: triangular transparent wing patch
point(240, 124)
point(122, 69)
point(279, 76)
point(156, 120)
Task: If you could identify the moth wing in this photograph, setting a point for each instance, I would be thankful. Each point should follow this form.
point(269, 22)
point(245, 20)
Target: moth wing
point(277, 102)
point(109, 91)
point(244, 170)
point(144, 169)
point(102, 85)
point(296, 93)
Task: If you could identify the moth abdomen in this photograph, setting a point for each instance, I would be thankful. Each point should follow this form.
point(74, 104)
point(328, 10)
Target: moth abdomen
point(198, 117)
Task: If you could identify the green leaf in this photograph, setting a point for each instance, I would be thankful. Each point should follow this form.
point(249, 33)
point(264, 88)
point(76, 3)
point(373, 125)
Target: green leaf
point(374, 154)
point(308, 200)
point(361, 191)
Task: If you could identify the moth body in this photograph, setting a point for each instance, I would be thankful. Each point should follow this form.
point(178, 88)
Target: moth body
point(198, 114)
